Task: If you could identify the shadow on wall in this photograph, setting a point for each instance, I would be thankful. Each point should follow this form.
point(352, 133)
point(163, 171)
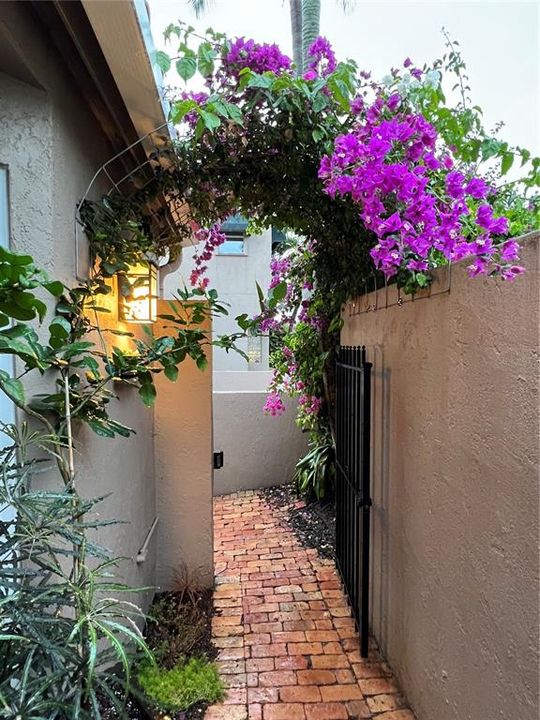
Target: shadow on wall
point(259, 450)
point(380, 411)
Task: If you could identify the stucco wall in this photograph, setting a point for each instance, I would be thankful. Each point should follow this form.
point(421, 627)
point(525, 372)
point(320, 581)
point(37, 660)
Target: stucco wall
point(183, 456)
point(455, 514)
point(52, 146)
point(259, 450)
point(234, 277)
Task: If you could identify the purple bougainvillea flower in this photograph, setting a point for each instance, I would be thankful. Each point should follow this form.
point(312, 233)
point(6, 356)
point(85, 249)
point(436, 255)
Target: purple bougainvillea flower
point(484, 218)
point(322, 60)
point(454, 184)
point(476, 188)
point(510, 273)
point(258, 57)
point(393, 102)
point(509, 251)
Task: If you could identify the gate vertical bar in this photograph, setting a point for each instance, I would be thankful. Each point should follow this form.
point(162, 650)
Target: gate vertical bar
point(366, 501)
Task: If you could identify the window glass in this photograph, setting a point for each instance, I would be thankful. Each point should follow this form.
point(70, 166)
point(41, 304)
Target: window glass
point(7, 414)
point(7, 410)
point(233, 245)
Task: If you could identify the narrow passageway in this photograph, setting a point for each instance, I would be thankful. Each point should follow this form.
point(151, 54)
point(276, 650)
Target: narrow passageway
point(288, 648)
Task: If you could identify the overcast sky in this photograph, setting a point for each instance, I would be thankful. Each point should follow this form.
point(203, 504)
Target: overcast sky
point(499, 40)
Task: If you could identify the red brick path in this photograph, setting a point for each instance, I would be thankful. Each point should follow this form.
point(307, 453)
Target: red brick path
point(288, 648)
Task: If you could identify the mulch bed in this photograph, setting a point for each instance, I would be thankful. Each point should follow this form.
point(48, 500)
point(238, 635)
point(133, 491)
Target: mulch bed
point(313, 522)
point(175, 603)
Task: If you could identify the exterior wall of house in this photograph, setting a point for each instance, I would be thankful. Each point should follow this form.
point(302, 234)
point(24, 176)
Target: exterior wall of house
point(259, 450)
point(455, 474)
point(183, 456)
point(52, 147)
point(234, 278)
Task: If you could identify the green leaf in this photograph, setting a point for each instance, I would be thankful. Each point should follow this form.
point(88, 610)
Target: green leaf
point(507, 162)
point(210, 120)
point(186, 67)
point(181, 109)
point(260, 81)
point(202, 362)
point(147, 391)
point(59, 327)
point(280, 291)
point(12, 387)
point(171, 372)
point(206, 55)
point(260, 295)
point(55, 287)
point(163, 61)
point(40, 308)
point(15, 258)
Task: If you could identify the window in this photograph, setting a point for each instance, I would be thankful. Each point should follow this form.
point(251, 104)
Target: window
point(233, 245)
point(7, 409)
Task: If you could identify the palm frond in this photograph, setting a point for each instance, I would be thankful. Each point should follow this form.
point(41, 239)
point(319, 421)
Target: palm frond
point(200, 6)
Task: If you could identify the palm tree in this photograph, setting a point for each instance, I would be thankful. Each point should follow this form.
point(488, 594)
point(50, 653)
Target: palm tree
point(305, 24)
point(311, 23)
point(296, 29)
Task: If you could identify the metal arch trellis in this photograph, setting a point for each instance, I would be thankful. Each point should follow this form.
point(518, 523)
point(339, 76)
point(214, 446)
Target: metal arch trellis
point(153, 143)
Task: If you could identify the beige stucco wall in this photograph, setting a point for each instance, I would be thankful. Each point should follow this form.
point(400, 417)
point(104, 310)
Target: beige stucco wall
point(183, 457)
point(234, 277)
point(455, 514)
point(52, 146)
point(259, 450)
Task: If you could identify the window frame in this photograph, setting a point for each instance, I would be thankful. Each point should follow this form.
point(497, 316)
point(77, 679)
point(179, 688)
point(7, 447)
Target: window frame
point(232, 236)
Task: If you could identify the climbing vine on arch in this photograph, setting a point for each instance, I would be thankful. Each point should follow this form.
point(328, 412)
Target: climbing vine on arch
point(394, 178)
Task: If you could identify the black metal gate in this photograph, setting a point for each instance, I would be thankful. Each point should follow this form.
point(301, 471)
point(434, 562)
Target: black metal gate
point(353, 497)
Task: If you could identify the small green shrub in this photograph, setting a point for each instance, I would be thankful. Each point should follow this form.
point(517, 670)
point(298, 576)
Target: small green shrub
point(183, 685)
point(314, 473)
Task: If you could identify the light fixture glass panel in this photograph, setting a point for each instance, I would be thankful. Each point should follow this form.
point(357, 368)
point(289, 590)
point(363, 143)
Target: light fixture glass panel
point(254, 349)
point(138, 294)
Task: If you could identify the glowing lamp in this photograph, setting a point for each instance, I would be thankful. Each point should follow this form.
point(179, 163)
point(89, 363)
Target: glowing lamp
point(254, 349)
point(138, 294)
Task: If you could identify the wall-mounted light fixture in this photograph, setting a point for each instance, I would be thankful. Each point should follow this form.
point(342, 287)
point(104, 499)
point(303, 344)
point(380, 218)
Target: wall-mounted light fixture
point(254, 349)
point(137, 293)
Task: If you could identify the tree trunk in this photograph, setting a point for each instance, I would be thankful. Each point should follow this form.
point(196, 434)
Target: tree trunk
point(311, 21)
point(296, 30)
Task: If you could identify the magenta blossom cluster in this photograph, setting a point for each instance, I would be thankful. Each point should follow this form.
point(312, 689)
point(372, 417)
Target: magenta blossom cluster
point(309, 404)
point(208, 240)
point(411, 197)
point(274, 404)
point(322, 60)
point(200, 98)
point(279, 267)
point(259, 57)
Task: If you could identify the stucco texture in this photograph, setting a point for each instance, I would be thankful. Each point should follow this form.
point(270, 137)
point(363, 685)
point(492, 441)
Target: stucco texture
point(183, 457)
point(234, 277)
point(455, 475)
point(52, 146)
point(259, 450)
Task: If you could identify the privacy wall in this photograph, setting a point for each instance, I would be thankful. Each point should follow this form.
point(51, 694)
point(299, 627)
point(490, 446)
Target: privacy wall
point(455, 474)
point(183, 457)
point(259, 450)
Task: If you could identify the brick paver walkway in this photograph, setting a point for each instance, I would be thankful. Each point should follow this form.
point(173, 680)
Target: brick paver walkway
point(288, 648)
